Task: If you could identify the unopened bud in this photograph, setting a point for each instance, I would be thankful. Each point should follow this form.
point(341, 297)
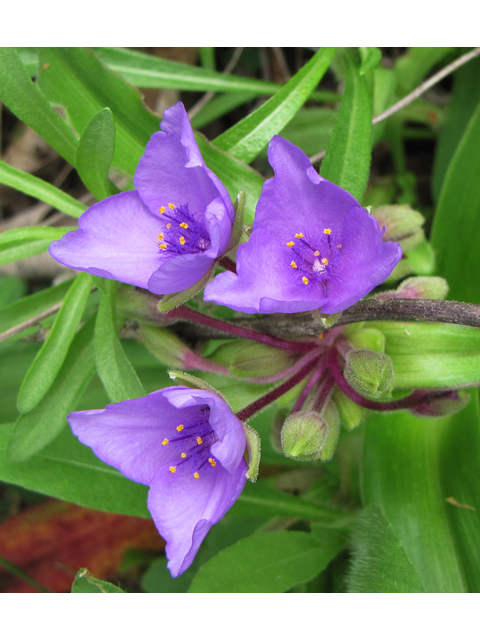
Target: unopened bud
point(367, 338)
point(351, 414)
point(427, 287)
point(422, 259)
point(370, 373)
point(410, 242)
point(259, 360)
point(140, 304)
point(442, 403)
point(303, 435)
point(402, 269)
point(164, 345)
point(399, 220)
point(332, 420)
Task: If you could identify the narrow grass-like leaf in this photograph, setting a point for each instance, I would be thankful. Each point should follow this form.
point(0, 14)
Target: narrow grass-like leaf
point(38, 188)
point(85, 583)
point(52, 355)
point(219, 106)
point(267, 563)
point(20, 249)
point(379, 562)
point(370, 56)
point(37, 428)
point(30, 233)
point(412, 67)
point(76, 79)
point(248, 137)
point(348, 155)
point(95, 154)
point(29, 104)
point(115, 371)
point(31, 306)
point(457, 218)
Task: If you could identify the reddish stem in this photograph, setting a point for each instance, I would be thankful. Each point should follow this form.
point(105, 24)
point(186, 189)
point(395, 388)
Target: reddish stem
point(273, 395)
point(324, 392)
point(315, 377)
point(276, 377)
point(228, 264)
point(185, 313)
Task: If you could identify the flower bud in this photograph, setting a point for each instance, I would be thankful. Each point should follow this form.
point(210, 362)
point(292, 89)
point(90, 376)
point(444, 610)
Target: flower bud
point(370, 373)
point(141, 304)
point(400, 221)
point(332, 420)
point(259, 360)
point(427, 287)
point(442, 403)
point(422, 259)
point(164, 345)
point(351, 414)
point(367, 338)
point(303, 435)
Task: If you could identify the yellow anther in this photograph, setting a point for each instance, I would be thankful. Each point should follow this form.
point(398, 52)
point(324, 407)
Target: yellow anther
point(305, 280)
point(172, 469)
point(180, 427)
point(199, 440)
point(299, 235)
point(160, 237)
point(181, 240)
point(169, 225)
point(183, 455)
point(212, 462)
point(327, 231)
point(339, 246)
point(196, 475)
point(165, 441)
point(184, 225)
point(163, 247)
point(325, 261)
point(290, 244)
point(321, 336)
point(293, 264)
point(317, 253)
point(172, 206)
point(162, 209)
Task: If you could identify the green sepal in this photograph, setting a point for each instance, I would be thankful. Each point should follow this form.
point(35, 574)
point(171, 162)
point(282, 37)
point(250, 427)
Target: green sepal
point(254, 446)
point(194, 382)
point(238, 223)
point(303, 435)
point(164, 345)
point(351, 414)
point(367, 338)
point(326, 320)
point(370, 373)
point(331, 418)
point(426, 287)
point(422, 259)
point(142, 305)
point(173, 300)
point(400, 221)
point(258, 360)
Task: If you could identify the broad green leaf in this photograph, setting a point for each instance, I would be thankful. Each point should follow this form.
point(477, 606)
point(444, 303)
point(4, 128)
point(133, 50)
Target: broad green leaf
point(31, 306)
point(52, 355)
point(30, 233)
point(85, 583)
point(219, 106)
point(457, 217)
point(76, 79)
point(95, 154)
point(413, 66)
point(29, 104)
point(464, 100)
point(267, 563)
point(347, 159)
point(247, 138)
point(37, 428)
point(117, 374)
point(370, 56)
point(20, 249)
point(37, 188)
point(29, 58)
point(379, 562)
point(402, 473)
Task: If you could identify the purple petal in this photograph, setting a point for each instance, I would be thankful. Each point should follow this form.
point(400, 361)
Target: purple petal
point(184, 508)
point(116, 239)
point(179, 273)
point(172, 169)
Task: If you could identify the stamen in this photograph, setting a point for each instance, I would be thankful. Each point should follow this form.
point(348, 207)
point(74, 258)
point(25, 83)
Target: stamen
point(212, 461)
point(183, 455)
point(160, 237)
point(325, 261)
point(163, 247)
point(317, 253)
point(327, 231)
point(199, 440)
point(180, 427)
point(172, 469)
point(184, 225)
point(305, 280)
point(181, 240)
point(165, 441)
point(172, 206)
point(196, 475)
point(299, 235)
point(293, 264)
point(339, 246)
point(162, 209)
point(169, 225)
point(290, 244)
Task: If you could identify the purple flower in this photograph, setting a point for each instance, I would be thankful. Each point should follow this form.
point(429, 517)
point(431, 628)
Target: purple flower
point(312, 246)
point(165, 235)
point(187, 446)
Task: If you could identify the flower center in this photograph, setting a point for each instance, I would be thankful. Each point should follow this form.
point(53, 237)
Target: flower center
point(182, 232)
point(315, 259)
point(190, 445)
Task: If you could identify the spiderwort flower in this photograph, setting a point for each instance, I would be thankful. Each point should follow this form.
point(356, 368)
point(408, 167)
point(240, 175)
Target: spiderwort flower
point(312, 245)
point(187, 446)
point(165, 235)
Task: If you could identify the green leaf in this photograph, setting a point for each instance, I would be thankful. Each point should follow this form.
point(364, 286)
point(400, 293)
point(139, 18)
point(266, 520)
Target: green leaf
point(413, 66)
point(29, 104)
point(52, 355)
point(219, 106)
point(40, 189)
point(267, 563)
point(20, 249)
point(347, 159)
point(310, 129)
point(379, 563)
point(115, 371)
point(35, 429)
point(370, 56)
point(11, 290)
point(248, 137)
point(76, 79)
point(207, 58)
point(457, 217)
point(31, 306)
point(383, 97)
point(85, 583)
point(29, 233)
point(95, 154)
